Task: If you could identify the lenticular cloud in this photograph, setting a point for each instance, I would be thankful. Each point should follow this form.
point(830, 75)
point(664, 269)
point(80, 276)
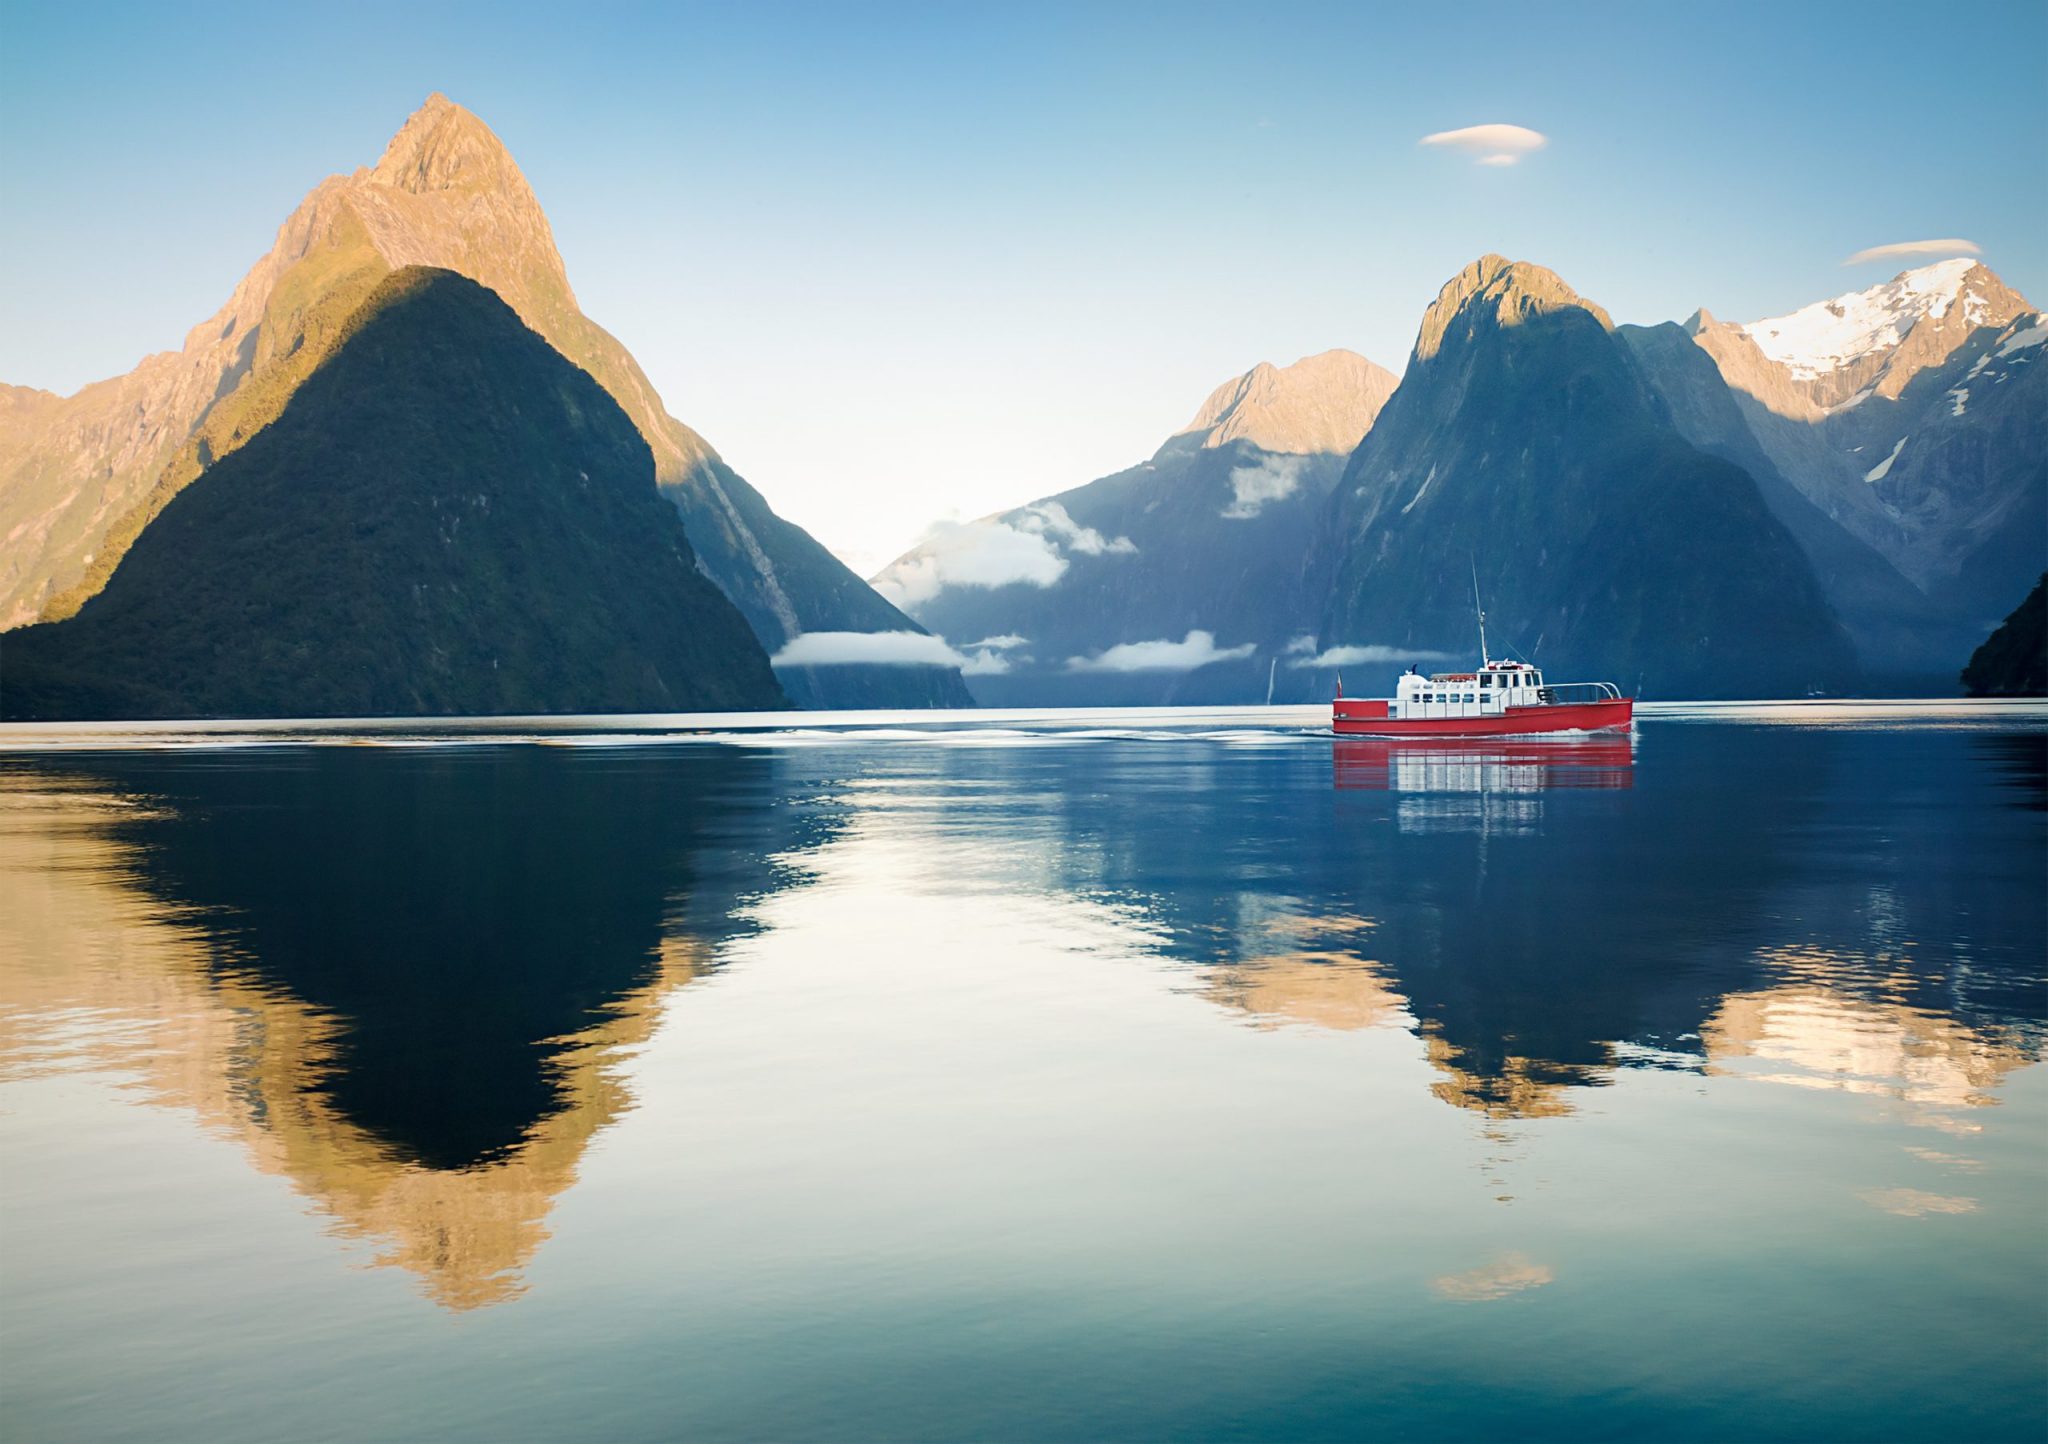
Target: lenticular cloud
point(1903, 250)
point(1494, 145)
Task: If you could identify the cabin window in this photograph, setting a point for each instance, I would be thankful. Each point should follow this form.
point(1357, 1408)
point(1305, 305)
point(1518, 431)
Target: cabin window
point(1487, 680)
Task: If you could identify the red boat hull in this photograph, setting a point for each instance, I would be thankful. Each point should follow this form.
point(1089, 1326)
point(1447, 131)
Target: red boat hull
point(1360, 717)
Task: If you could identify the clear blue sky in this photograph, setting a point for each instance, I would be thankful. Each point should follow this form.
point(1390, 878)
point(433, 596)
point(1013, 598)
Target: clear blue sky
point(900, 262)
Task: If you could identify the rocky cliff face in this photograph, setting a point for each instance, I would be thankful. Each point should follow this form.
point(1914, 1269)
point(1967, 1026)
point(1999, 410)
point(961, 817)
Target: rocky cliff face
point(1523, 445)
point(1177, 580)
point(81, 477)
point(446, 518)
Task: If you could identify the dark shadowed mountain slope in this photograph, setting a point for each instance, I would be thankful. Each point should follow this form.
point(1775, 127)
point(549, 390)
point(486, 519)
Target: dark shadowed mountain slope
point(82, 476)
point(1166, 582)
point(446, 517)
point(1902, 637)
point(2013, 662)
point(1524, 444)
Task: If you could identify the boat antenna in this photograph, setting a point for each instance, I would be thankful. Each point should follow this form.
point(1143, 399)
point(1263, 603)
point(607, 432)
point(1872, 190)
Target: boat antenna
point(1480, 610)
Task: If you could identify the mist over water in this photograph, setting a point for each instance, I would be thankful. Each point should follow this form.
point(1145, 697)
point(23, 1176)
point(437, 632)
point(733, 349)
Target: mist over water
point(1046, 1075)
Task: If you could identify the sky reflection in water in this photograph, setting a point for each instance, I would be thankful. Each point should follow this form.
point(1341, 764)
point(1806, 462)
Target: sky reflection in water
point(1079, 1076)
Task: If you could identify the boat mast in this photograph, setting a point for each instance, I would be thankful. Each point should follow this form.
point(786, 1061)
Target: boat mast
point(1481, 611)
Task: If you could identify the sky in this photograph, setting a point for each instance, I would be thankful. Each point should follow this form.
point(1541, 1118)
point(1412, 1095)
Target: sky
point(904, 264)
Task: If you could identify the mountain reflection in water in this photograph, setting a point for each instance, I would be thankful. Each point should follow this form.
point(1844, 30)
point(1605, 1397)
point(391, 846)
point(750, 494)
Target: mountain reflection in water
point(987, 1023)
point(402, 979)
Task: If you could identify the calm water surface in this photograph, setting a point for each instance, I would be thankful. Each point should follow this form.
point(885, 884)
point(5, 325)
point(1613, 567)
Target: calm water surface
point(1044, 1076)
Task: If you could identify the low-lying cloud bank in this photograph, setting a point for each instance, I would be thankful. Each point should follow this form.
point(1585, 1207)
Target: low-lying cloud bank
point(1032, 548)
point(899, 649)
point(1357, 656)
point(1197, 649)
point(887, 649)
point(990, 657)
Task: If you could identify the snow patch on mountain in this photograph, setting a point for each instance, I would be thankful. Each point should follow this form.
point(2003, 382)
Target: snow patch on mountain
point(1829, 335)
point(1419, 491)
point(1883, 468)
point(2033, 335)
point(1029, 547)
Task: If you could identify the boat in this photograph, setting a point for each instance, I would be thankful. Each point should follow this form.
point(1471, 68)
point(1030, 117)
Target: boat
point(1494, 699)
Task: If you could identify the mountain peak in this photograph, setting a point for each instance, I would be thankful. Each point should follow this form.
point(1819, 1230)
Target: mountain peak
point(442, 147)
point(1510, 291)
point(1844, 332)
point(1321, 403)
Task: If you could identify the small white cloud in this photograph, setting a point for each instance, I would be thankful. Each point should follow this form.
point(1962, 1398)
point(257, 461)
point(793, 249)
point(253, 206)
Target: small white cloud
point(1361, 656)
point(1901, 250)
point(994, 553)
point(1004, 643)
point(971, 554)
point(892, 649)
point(1197, 649)
point(989, 663)
point(1300, 646)
point(1049, 518)
point(1253, 487)
point(1491, 144)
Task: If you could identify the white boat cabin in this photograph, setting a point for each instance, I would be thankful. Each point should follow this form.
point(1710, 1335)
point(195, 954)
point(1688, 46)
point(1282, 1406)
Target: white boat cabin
point(1488, 692)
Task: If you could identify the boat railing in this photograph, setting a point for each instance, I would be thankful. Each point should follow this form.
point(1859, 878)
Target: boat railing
point(1567, 694)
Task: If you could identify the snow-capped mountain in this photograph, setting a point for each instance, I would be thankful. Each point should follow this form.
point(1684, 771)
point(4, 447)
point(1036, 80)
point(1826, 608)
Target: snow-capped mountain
point(1846, 344)
point(1912, 416)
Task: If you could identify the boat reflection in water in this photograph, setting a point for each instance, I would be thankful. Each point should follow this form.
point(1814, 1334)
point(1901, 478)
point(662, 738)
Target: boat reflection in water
point(1482, 764)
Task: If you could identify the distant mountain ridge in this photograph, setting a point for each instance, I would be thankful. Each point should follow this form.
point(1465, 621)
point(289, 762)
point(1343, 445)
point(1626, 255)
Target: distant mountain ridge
point(447, 517)
point(1831, 499)
point(1156, 584)
point(80, 477)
